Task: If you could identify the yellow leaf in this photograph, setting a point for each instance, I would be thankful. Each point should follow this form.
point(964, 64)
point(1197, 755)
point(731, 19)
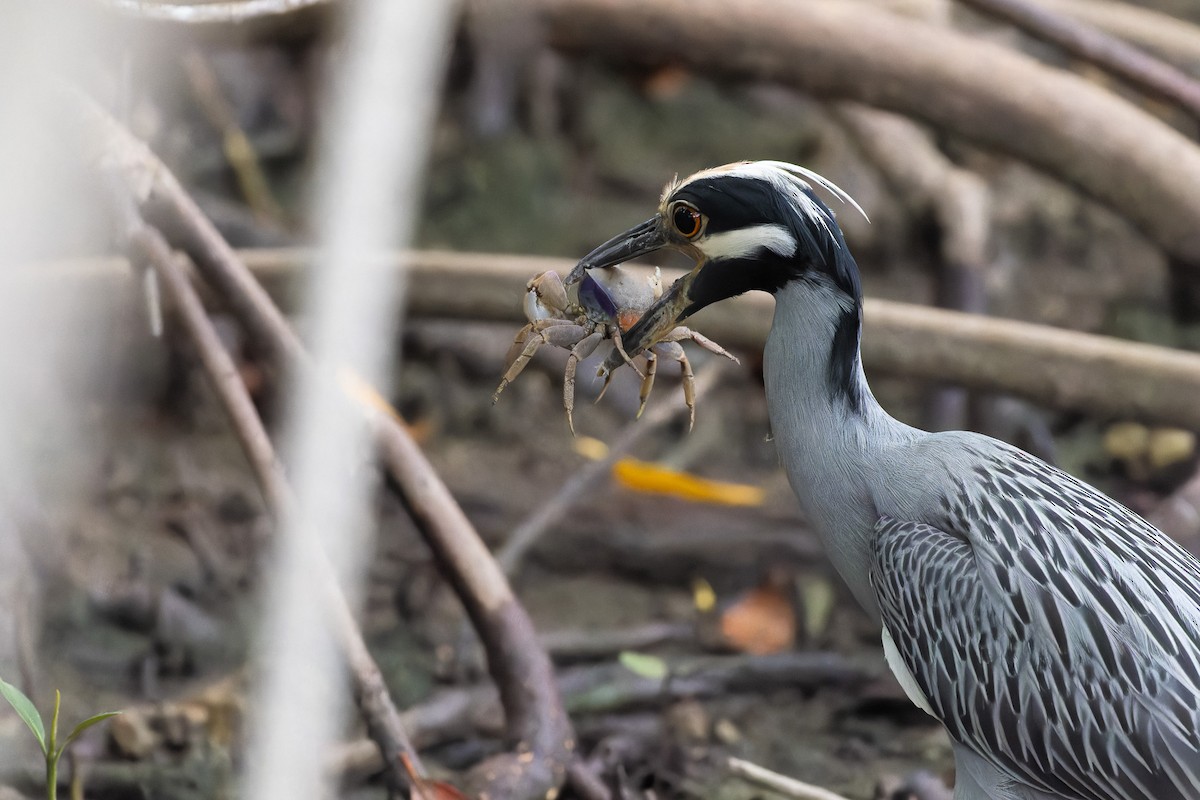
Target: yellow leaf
point(642, 476)
point(590, 447)
point(703, 595)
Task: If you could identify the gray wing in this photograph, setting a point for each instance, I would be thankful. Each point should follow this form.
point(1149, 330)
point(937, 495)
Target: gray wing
point(1052, 630)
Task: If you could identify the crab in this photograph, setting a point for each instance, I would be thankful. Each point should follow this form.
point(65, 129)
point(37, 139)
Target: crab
point(601, 306)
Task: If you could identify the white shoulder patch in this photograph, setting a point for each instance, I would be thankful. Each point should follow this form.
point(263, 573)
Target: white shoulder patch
point(745, 241)
point(908, 683)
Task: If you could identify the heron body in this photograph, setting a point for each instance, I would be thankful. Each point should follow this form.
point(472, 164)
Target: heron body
point(1053, 632)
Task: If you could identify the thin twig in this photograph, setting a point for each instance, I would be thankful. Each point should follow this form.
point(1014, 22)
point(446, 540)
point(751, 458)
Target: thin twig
point(780, 783)
point(586, 782)
point(1174, 38)
point(1113, 55)
point(609, 688)
point(527, 533)
point(239, 151)
point(148, 248)
point(511, 554)
point(591, 643)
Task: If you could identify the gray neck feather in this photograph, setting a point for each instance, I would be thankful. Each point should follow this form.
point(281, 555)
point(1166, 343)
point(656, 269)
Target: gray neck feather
point(828, 437)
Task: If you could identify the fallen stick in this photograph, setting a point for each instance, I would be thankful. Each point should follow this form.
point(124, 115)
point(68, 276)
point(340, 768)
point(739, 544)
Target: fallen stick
point(789, 787)
point(611, 688)
point(589, 643)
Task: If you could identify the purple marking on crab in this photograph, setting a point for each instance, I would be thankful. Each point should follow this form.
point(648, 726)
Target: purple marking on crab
point(592, 294)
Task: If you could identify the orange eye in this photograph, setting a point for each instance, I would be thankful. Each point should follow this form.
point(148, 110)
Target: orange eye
point(687, 220)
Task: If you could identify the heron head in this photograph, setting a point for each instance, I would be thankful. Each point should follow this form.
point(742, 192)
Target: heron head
point(748, 225)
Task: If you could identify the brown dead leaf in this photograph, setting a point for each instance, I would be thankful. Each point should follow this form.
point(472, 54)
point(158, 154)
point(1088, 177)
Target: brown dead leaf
point(762, 622)
point(666, 82)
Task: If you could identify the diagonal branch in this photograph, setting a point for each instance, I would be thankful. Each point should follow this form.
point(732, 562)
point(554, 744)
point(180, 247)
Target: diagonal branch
point(1108, 52)
point(1171, 37)
point(148, 249)
point(535, 719)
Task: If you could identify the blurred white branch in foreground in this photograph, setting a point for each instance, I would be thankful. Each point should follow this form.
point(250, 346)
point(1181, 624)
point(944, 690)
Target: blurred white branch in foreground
point(375, 144)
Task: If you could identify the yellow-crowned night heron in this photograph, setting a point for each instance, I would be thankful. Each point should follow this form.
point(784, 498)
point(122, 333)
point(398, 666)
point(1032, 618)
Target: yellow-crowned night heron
point(1052, 631)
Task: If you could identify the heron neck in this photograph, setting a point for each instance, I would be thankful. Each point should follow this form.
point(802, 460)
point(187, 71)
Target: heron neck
point(828, 428)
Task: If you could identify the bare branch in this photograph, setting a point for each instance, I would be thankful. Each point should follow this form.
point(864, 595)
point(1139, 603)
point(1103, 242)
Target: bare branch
point(610, 688)
point(239, 151)
point(1171, 37)
point(536, 721)
point(1098, 375)
point(1055, 120)
point(147, 248)
point(1112, 54)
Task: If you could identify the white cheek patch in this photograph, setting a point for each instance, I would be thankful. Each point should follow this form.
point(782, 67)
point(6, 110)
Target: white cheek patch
point(745, 241)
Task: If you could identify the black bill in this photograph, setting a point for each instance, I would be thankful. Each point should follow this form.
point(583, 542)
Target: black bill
point(637, 241)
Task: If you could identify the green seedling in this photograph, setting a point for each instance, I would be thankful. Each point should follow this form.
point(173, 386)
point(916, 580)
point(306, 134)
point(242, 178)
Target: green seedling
point(51, 750)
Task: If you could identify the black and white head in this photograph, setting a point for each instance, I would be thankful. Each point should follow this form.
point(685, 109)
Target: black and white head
point(749, 225)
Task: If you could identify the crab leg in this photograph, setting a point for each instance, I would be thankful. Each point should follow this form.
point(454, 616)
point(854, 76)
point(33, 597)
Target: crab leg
point(560, 332)
point(518, 345)
point(647, 382)
point(585, 348)
point(672, 350)
point(683, 333)
point(615, 330)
